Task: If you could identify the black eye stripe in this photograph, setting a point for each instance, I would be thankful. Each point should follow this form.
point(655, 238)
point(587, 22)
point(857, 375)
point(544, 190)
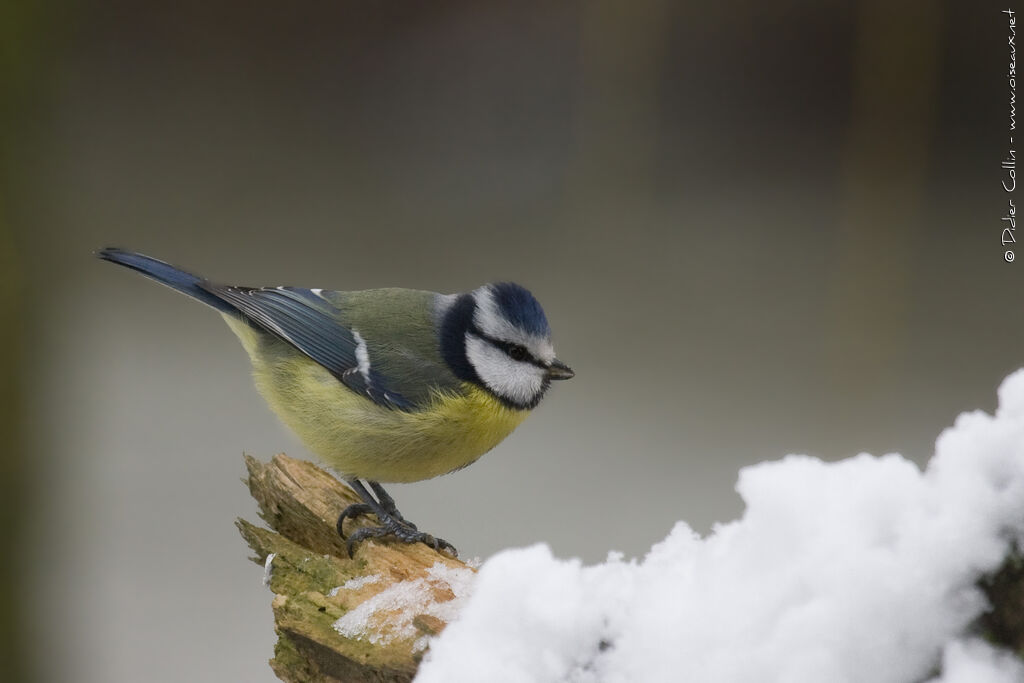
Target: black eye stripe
point(508, 347)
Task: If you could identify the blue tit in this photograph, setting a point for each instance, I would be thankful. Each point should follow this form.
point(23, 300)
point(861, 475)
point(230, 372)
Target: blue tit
point(386, 385)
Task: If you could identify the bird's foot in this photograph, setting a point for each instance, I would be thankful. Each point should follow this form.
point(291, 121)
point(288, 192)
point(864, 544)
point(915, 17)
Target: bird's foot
point(351, 512)
point(388, 503)
point(402, 530)
point(356, 509)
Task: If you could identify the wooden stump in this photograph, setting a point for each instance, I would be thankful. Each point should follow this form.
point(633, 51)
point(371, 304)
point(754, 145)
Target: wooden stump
point(339, 619)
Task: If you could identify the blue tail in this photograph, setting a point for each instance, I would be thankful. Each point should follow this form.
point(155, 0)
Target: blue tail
point(165, 273)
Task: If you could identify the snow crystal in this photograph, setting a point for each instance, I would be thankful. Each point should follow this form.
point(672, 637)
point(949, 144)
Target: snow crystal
point(355, 584)
point(862, 570)
point(268, 568)
point(389, 615)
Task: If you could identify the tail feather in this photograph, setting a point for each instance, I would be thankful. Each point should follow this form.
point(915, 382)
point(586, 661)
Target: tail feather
point(166, 274)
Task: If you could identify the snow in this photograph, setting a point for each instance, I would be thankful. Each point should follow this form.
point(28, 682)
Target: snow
point(388, 615)
point(356, 583)
point(859, 570)
point(268, 568)
point(975, 661)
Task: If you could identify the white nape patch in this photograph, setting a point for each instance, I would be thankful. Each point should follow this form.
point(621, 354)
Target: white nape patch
point(519, 382)
point(317, 291)
point(362, 356)
point(443, 302)
point(491, 322)
point(268, 568)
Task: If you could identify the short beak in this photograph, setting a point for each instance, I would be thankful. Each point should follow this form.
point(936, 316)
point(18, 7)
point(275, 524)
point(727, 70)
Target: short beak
point(559, 370)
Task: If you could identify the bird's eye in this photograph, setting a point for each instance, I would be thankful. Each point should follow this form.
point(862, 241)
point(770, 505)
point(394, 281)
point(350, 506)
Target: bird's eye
point(517, 352)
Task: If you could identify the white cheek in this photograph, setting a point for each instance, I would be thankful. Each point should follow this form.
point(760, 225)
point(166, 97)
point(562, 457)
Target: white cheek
point(519, 382)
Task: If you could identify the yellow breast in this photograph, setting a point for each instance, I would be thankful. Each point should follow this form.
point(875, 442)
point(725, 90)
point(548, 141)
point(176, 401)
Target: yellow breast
point(360, 439)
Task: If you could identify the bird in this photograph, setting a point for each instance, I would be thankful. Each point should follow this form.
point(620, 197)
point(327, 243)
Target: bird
point(385, 385)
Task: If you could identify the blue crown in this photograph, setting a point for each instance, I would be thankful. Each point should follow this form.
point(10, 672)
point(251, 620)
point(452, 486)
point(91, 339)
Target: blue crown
point(520, 308)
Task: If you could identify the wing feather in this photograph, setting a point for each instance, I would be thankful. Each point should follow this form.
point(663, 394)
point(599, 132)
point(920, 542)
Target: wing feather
point(312, 324)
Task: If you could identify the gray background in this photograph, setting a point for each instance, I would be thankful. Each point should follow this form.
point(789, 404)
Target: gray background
point(757, 228)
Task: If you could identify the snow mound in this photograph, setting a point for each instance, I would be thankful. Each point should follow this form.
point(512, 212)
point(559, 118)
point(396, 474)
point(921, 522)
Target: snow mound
point(859, 570)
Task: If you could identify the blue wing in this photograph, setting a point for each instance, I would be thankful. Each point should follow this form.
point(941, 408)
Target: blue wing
point(312, 325)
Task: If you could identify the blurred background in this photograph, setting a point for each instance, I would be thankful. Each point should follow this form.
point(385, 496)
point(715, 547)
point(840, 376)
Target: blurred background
point(758, 228)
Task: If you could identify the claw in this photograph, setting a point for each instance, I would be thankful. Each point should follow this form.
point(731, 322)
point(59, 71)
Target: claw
point(362, 533)
point(351, 512)
point(356, 509)
point(392, 527)
point(441, 545)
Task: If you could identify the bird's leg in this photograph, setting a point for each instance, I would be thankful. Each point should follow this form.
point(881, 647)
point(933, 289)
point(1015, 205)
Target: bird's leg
point(390, 525)
point(388, 503)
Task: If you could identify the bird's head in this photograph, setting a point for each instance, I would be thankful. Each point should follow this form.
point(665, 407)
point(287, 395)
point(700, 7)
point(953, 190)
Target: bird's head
point(498, 337)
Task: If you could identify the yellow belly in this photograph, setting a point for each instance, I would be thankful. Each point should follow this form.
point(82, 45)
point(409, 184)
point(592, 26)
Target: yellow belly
point(358, 438)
